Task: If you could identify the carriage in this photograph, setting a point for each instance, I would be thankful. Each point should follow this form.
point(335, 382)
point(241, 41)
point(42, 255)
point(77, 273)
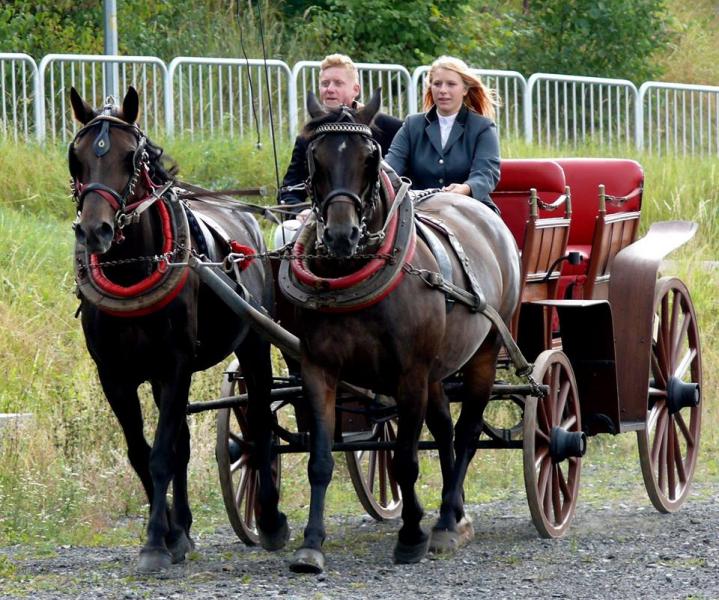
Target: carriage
point(614, 348)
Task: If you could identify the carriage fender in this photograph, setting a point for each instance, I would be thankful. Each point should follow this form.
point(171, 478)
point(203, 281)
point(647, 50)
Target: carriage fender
point(631, 295)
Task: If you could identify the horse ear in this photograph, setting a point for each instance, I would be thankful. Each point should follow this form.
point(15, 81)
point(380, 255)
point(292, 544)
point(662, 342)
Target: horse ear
point(313, 106)
point(82, 110)
point(130, 105)
point(368, 113)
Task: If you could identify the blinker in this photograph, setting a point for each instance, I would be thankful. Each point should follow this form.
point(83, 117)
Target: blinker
point(101, 145)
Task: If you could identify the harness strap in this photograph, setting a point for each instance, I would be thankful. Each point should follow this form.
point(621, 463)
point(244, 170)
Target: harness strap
point(104, 191)
point(475, 300)
point(440, 255)
point(459, 251)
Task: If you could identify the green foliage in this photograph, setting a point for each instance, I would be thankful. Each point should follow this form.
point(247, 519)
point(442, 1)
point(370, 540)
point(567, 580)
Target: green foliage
point(602, 38)
point(693, 55)
point(163, 28)
point(634, 39)
point(61, 26)
point(408, 32)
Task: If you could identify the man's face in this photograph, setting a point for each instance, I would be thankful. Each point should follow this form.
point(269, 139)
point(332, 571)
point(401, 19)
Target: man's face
point(337, 86)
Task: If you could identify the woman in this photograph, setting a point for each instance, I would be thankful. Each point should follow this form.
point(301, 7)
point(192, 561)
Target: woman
point(454, 145)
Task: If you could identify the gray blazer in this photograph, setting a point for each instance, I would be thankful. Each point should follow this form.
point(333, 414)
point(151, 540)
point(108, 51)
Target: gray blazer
point(471, 154)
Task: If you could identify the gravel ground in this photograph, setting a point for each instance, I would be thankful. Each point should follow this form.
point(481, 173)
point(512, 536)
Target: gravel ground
point(617, 550)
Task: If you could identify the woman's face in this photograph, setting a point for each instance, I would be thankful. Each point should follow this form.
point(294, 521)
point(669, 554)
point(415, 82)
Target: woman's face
point(448, 91)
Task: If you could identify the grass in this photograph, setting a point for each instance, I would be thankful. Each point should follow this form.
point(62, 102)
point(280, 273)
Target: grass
point(64, 477)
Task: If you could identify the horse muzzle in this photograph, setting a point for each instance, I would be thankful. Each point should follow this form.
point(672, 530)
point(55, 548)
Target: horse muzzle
point(96, 237)
point(341, 240)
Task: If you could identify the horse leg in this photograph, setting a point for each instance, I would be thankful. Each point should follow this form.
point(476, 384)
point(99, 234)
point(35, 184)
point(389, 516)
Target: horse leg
point(411, 406)
point(173, 392)
point(453, 529)
point(320, 389)
point(125, 404)
point(254, 356)
point(439, 423)
point(179, 519)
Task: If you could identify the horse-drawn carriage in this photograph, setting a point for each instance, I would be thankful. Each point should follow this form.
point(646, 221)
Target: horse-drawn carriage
point(614, 348)
point(614, 319)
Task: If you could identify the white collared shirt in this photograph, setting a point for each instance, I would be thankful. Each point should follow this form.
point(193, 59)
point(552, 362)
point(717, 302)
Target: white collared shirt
point(445, 126)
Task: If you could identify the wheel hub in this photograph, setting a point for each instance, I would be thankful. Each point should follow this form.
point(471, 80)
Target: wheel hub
point(681, 395)
point(564, 444)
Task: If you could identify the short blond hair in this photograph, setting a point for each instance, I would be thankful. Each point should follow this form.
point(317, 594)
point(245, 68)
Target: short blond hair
point(479, 97)
point(340, 60)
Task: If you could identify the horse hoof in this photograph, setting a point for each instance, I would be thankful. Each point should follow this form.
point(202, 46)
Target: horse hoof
point(444, 541)
point(275, 540)
point(308, 560)
point(153, 561)
point(407, 554)
point(180, 548)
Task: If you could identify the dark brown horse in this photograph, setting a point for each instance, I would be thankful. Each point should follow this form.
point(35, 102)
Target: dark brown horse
point(403, 343)
point(127, 239)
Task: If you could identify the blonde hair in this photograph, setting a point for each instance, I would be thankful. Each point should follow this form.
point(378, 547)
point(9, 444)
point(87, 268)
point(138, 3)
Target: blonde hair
point(342, 61)
point(479, 97)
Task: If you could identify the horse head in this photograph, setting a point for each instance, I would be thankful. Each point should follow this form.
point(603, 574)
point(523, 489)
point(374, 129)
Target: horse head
point(344, 161)
point(108, 161)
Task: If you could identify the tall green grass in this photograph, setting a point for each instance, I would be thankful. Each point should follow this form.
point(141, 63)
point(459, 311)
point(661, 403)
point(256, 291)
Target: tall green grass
point(64, 477)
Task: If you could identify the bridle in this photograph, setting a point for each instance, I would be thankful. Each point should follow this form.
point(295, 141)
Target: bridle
point(364, 204)
point(125, 212)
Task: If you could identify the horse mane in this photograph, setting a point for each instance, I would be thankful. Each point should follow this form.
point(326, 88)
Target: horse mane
point(162, 167)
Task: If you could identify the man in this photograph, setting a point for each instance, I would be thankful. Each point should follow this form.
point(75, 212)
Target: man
point(339, 85)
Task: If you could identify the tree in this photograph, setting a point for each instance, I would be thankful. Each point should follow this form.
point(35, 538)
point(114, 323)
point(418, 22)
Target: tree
point(408, 32)
point(602, 38)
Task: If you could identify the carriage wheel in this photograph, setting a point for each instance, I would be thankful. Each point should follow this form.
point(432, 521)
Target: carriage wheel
point(553, 446)
point(238, 479)
point(372, 478)
point(669, 445)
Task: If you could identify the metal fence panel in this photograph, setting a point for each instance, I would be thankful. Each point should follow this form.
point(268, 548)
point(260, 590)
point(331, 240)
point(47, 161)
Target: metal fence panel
point(18, 91)
point(568, 110)
point(228, 96)
point(509, 87)
point(88, 74)
point(394, 80)
point(675, 118)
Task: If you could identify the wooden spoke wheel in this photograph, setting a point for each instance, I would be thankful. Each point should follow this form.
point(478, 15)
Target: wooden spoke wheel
point(239, 481)
point(372, 478)
point(669, 445)
point(553, 445)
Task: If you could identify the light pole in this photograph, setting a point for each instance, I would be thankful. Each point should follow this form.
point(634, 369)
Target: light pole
point(111, 71)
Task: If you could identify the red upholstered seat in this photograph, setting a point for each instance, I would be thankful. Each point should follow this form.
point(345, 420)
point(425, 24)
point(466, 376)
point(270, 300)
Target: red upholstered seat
point(622, 178)
point(541, 235)
point(517, 177)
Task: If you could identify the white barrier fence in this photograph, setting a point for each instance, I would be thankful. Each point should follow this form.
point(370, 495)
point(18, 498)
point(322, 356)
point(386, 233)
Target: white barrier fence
point(210, 96)
point(88, 75)
point(230, 96)
point(565, 110)
point(678, 119)
point(18, 97)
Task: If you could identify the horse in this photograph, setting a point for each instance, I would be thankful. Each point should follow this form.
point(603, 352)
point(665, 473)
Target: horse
point(400, 339)
point(147, 317)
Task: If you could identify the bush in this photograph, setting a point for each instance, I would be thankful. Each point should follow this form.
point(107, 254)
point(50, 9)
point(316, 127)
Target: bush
point(586, 37)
